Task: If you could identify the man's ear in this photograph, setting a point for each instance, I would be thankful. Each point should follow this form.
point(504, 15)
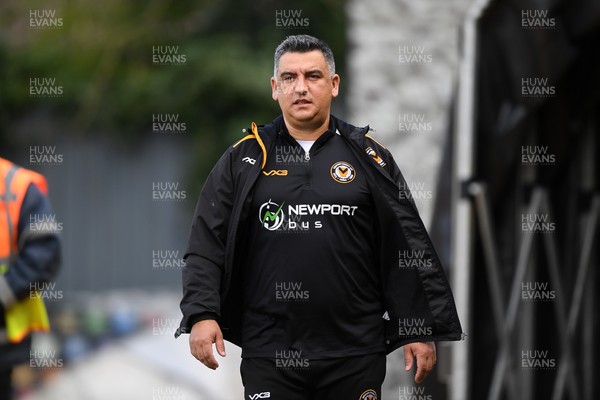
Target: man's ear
point(274, 89)
point(335, 82)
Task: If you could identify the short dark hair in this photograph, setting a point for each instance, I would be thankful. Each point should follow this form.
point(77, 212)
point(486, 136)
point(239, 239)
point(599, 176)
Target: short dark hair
point(303, 44)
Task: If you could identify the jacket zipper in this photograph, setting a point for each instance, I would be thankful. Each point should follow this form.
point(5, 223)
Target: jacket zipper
point(308, 169)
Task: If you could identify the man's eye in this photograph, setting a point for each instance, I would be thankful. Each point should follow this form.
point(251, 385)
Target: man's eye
point(288, 78)
point(314, 76)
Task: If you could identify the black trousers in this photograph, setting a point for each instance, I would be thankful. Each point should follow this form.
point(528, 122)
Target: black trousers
point(6, 384)
point(348, 378)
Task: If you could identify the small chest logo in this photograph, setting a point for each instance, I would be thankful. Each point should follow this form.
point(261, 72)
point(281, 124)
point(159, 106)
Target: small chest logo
point(368, 395)
point(342, 172)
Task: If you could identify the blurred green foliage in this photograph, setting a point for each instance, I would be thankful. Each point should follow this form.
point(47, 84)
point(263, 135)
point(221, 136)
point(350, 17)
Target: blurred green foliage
point(102, 56)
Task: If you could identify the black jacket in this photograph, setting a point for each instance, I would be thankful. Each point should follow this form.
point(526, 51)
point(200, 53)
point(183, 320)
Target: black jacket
point(211, 283)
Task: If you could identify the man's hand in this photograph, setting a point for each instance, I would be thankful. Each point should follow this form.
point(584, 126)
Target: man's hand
point(426, 358)
point(203, 335)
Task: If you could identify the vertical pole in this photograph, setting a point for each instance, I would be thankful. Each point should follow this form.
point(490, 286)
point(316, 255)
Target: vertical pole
point(462, 216)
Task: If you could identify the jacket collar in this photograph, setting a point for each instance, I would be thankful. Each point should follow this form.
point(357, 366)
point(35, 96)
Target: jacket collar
point(266, 134)
point(269, 132)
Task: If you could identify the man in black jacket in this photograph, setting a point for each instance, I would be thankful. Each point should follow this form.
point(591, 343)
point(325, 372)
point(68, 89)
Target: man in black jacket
point(307, 251)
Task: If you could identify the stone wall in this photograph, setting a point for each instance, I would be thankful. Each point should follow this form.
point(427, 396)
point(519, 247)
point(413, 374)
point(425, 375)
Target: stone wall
point(402, 67)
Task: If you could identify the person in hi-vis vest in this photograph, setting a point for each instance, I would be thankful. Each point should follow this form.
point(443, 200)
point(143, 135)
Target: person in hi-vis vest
point(29, 257)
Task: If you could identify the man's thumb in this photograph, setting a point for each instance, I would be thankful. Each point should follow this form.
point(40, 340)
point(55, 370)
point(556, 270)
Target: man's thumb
point(408, 358)
point(220, 344)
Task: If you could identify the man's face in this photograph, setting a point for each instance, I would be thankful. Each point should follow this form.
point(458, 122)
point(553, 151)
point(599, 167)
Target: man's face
point(304, 88)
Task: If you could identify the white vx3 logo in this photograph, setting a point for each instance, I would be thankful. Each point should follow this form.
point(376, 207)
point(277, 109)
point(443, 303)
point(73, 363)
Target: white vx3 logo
point(263, 395)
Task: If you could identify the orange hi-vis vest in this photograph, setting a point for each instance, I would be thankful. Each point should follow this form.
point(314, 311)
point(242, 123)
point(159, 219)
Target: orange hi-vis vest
point(30, 313)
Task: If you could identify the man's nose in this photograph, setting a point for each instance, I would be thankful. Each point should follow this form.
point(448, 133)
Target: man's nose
point(300, 86)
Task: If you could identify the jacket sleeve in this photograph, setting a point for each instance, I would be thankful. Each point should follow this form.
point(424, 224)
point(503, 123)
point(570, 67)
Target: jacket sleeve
point(430, 299)
point(205, 254)
point(39, 255)
point(392, 169)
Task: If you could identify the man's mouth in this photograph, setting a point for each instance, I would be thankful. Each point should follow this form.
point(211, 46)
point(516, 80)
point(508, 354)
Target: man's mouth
point(302, 101)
